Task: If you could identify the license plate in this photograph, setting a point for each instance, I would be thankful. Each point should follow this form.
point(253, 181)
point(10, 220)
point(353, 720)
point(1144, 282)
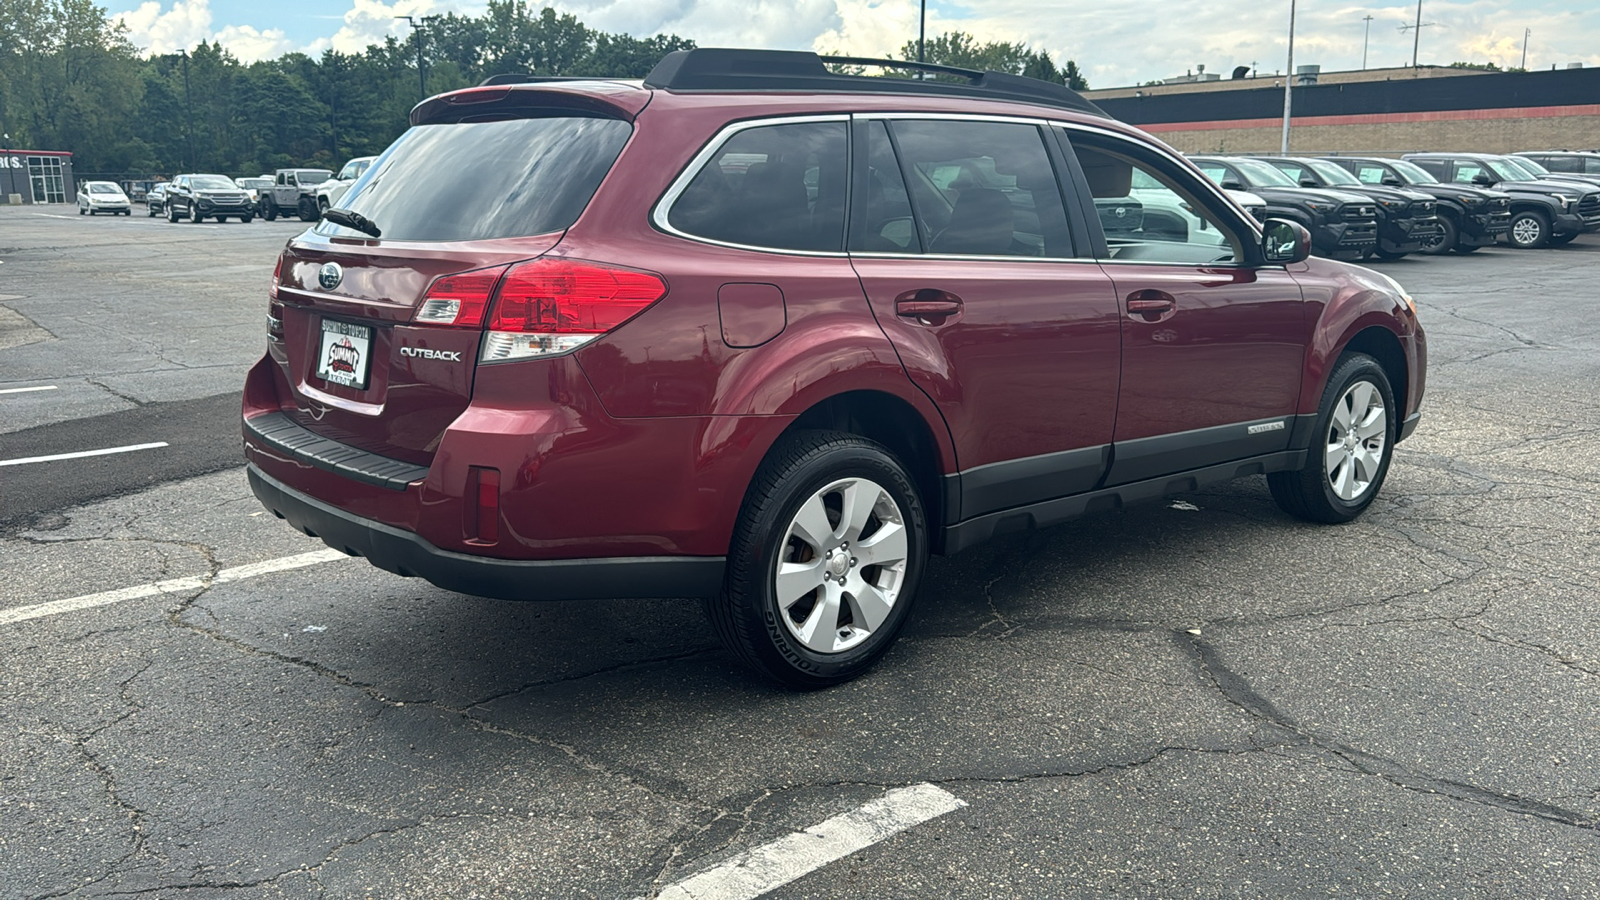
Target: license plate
point(345, 354)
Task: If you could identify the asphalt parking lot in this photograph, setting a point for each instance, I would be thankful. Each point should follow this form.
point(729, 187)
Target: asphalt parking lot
point(1196, 699)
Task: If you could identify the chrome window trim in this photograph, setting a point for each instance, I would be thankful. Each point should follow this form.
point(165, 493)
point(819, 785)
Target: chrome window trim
point(663, 208)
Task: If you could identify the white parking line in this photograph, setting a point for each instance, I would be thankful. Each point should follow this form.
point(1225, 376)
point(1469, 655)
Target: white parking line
point(773, 865)
point(48, 387)
point(81, 454)
point(191, 583)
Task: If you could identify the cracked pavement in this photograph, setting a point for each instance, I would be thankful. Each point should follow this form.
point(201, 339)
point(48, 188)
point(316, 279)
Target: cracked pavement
point(1195, 699)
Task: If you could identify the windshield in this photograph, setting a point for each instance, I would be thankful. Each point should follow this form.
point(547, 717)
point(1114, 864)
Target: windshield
point(254, 182)
point(98, 188)
point(471, 181)
point(1331, 173)
point(1414, 172)
point(1261, 173)
point(313, 176)
point(211, 183)
point(1533, 169)
point(1506, 171)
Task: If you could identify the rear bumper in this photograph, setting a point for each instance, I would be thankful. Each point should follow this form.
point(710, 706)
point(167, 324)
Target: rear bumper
point(405, 553)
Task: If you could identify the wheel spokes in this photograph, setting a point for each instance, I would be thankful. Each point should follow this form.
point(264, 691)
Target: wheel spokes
point(811, 524)
point(860, 498)
point(871, 606)
point(886, 546)
point(797, 580)
point(820, 630)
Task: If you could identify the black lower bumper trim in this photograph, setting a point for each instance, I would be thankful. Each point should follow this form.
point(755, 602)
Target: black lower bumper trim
point(1408, 426)
point(405, 553)
point(284, 435)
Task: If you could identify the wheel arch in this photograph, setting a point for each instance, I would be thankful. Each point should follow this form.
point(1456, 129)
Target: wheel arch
point(1382, 345)
point(898, 425)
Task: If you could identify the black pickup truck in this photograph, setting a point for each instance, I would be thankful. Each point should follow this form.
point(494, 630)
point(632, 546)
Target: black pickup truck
point(1343, 225)
point(1469, 217)
point(1407, 219)
point(1543, 213)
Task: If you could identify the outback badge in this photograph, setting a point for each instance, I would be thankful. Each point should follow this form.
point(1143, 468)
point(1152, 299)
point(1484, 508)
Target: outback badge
point(330, 275)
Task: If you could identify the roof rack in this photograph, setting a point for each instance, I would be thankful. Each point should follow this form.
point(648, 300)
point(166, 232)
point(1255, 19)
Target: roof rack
point(711, 69)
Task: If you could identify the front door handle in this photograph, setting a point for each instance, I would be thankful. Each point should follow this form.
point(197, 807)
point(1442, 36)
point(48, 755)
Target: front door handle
point(929, 305)
point(1151, 306)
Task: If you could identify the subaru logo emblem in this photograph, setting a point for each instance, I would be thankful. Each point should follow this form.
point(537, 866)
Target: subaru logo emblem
point(330, 275)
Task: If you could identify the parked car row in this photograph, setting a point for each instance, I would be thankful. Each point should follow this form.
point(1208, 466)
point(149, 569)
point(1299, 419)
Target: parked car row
point(1370, 207)
point(305, 193)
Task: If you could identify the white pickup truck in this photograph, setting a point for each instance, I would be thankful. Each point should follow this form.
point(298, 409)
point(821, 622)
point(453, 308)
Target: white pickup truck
point(330, 192)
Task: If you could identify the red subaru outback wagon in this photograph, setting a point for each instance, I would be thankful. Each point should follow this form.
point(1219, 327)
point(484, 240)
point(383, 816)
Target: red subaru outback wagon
point(754, 331)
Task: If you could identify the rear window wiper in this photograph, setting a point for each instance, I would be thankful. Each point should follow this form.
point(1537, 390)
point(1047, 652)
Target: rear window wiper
point(352, 220)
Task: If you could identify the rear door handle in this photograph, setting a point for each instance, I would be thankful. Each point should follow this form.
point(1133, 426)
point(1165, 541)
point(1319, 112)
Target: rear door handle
point(929, 305)
point(1150, 305)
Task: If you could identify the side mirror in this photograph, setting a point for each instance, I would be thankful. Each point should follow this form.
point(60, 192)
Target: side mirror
point(1284, 242)
point(1391, 181)
point(1228, 184)
point(1483, 179)
point(1308, 182)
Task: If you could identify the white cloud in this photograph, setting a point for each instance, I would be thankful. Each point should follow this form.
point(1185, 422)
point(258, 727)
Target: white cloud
point(770, 24)
point(187, 23)
point(368, 22)
point(250, 45)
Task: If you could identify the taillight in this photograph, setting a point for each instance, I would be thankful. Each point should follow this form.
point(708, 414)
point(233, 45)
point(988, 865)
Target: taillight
point(551, 306)
point(277, 274)
point(275, 308)
point(459, 300)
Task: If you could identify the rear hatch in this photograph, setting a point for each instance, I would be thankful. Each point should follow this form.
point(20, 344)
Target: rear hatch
point(381, 334)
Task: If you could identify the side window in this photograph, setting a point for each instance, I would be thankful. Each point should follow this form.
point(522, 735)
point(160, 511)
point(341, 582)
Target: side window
point(1437, 168)
point(982, 189)
point(1217, 173)
point(1561, 163)
point(775, 186)
point(883, 214)
point(1151, 209)
point(1296, 172)
point(1370, 174)
point(280, 178)
point(348, 172)
point(1591, 165)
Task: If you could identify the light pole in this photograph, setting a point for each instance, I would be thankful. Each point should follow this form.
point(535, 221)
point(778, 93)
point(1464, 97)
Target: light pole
point(1525, 33)
point(11, 178)
point(188, 113)
point(1364, 39)
point(1288, 82)
point(922, 32)
point(416, 30)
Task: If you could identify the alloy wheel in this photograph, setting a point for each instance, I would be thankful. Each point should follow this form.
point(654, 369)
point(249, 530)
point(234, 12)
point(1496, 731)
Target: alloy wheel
point(1357, 432)
point(841, 565)
point(1526, 231)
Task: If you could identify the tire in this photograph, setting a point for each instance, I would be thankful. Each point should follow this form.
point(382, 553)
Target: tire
point(149, 211)
point(194, 215)
point(269, 210)
point(81, 210)
point(801, 490)
point(246, 220)
point(1530, 230)
point(1464, 249)
point(322, 205)
point(1358, 392)
point(308, 210)
point(1387, 256)
point(172, 213)
point(1444, 241)
point(1561, 240)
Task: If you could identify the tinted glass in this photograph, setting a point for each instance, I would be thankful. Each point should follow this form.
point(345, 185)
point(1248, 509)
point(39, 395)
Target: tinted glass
point(473, 181)
point(1563, 163)
point(211, 183)
point(777, 186)
point(1414, 173)
point(1331, 173)
point(104, 189)
point(983, 189)
point(1262, 174)
point(884, 213)
point(312, 176)
point(1295, 171)
point(1151, 209)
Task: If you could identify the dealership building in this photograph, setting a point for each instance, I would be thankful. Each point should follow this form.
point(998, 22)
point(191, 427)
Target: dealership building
point(36, 176)
point(1378, 112)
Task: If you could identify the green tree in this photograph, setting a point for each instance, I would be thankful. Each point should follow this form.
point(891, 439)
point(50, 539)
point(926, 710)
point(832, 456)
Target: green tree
point(957, 48)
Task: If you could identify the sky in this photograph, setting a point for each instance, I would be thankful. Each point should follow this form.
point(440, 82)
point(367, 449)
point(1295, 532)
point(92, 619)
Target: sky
point(1115, 43)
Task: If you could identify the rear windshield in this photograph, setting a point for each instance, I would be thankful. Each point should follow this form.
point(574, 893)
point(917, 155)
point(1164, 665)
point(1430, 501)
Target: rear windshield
point(473, 181)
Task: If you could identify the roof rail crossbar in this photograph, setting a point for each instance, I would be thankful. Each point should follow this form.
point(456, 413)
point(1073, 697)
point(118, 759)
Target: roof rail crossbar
point(711, 70)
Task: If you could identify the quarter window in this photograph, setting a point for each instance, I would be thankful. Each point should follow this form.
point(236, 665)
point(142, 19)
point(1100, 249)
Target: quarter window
point(982, 189)
point(884, 212)
point(775, 186)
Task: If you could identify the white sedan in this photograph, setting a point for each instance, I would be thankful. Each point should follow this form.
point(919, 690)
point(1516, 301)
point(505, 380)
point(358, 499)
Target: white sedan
point(103, 197)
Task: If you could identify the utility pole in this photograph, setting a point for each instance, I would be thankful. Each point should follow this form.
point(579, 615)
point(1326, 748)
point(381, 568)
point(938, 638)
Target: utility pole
point(1416, 33)
point(188, 113)
point(922, 33)
point(5, 162)
point(416, 29)
point(1364, 39)
point(1525, 33)
point(1288, 82)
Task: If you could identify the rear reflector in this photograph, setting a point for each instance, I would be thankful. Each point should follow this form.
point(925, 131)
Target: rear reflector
point(459, 300)
point(482, 509)
point(551, 306)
